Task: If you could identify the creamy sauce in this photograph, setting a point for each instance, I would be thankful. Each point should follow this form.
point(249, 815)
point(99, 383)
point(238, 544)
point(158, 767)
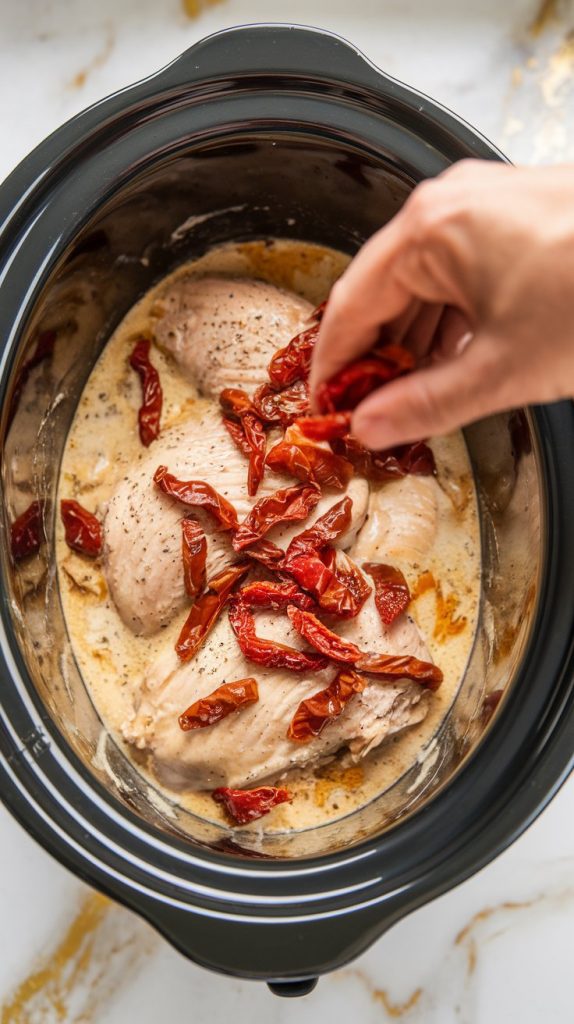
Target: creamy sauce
point(103, 444)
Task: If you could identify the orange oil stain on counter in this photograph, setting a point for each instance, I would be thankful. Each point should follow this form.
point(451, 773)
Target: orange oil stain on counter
point(96, 955)
point(447, 622)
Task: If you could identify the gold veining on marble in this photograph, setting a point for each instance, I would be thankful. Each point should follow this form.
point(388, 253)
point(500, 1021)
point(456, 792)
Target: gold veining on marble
point(546, 14)
point(193, 8)
point(98, 953)
point(394, 1010)
point(80, 78)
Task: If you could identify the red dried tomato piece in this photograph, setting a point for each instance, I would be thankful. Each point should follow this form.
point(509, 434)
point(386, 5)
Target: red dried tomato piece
point(326, 529)
point(347, 388)
point(348, 574)
point(281, 406)
point(388, 464)
point(392, 594)
point(268, 652)
point(206, 610)
point(274, 596)
point(314, 713)
point(319, 311)
point(288, 505)
point(325, 428)
point(235, 402)
point(217, 705)
point(83, 531)
point(294, 361)
point(27, 532)
point(237, 434)
point(342, 595)
point(401, 666)
point(268, 554)
point(321, 637)
point(248, 434)
point(309, 461)
point(194, 550)
point(149, 414)
point(245, 805)
point(198, 494)
point(257, 441)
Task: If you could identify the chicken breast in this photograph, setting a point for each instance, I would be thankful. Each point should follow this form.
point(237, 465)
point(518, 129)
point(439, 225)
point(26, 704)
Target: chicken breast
point(402, 521)
point(251, 744)
point(142, 532)
point(223, 331)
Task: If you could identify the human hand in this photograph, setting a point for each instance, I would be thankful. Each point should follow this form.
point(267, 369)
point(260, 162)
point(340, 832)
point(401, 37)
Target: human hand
point(476, 276)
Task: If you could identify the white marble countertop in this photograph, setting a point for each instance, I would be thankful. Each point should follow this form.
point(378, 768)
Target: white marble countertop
point(498, 948)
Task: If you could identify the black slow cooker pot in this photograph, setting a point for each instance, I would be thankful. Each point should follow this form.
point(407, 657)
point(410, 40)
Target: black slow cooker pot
point(255, 132)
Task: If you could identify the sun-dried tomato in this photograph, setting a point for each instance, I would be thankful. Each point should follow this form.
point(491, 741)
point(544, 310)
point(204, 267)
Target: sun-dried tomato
point(237, 434)
point(27, 532)
point(326, 529)
point(392, 594)
point(257, 442)
point(401, 666)
point(314, 713)
point(334, 581)
point(149, 414)
point(309, 461)
point(206, 610)
point(319, 311)
point(83, 531)
point(268, 554)
point(217, 705)
point(288, 505)
point(321, 637)
point(197, 494)
point(245, 805)
point(194, 551)
point(348, 573)
point(274, 596)
point(282, 406)
point(347, 388)
point(294, 361)
point(235, 402)
point(389, 464)
point(249, 437)
point(325, 428)
point(337, 586)
point(417, 459)
point(269, 653)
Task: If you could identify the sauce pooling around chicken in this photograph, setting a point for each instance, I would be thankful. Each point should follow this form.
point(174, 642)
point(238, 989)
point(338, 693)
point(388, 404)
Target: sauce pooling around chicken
point(216, 323)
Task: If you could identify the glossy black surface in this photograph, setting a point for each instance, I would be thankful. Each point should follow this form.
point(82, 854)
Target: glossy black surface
point(304, 123)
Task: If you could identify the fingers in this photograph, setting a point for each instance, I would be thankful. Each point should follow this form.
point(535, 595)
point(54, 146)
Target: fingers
point(435, 400)
point(366, 296)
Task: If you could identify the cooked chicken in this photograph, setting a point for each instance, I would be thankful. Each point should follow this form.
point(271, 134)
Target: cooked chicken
point(402, 521)
point(223, 331)
point(142, 532)
point(251, 745)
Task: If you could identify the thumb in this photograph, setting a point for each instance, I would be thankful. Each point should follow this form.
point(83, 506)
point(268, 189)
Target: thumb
point(435, 400)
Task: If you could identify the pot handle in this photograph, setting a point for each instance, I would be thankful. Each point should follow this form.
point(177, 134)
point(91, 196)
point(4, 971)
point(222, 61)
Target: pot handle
point(291, 50)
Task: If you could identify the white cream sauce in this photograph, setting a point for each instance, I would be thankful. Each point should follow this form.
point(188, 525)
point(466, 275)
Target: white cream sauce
point(103, 444)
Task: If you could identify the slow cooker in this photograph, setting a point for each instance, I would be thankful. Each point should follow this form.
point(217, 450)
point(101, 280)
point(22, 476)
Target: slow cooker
point(255, 132)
